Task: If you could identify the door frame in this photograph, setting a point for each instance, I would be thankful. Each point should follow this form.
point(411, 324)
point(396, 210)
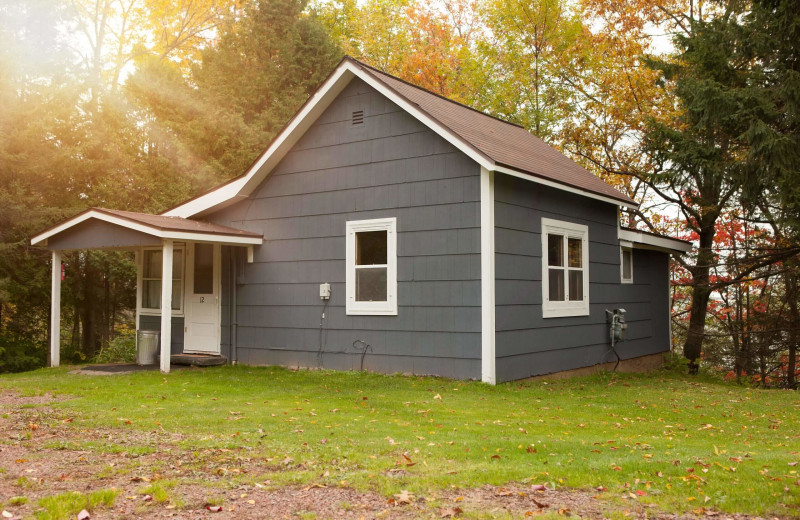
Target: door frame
point(189, 292)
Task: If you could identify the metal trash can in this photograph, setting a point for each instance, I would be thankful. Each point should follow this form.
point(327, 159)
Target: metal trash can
point(146, 347)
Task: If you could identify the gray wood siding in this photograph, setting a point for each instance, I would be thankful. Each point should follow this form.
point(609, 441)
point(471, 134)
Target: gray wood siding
point(528, 344)
point(391, 166)
point(96, 234)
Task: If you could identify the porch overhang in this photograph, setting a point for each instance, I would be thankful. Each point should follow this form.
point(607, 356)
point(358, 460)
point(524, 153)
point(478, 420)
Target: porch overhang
point(99, 228)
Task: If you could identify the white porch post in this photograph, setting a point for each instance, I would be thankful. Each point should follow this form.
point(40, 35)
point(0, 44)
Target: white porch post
point(55, 311)
point(166, 304)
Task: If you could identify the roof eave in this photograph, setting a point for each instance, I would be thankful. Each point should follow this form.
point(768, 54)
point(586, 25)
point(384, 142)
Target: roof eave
point(642, 240)
point(533, 177)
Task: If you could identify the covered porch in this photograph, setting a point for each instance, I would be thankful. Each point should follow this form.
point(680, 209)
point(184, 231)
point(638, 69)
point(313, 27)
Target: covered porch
point(179, 267)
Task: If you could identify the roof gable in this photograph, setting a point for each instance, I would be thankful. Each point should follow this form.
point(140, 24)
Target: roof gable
point(159, 226)
point(494, 144)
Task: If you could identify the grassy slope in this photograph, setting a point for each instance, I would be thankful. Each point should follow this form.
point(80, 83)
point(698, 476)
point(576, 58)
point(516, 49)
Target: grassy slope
point(679, 443)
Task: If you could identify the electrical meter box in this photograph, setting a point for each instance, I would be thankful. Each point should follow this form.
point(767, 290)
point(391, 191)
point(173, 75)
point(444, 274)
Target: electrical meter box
point(325, 291)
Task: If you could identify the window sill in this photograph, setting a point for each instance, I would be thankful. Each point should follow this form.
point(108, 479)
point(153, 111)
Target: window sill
point(157, 312)
point(564, 312)
point(360, 311)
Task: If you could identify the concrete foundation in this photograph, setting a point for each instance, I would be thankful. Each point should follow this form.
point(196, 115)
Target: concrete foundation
point(641, 364)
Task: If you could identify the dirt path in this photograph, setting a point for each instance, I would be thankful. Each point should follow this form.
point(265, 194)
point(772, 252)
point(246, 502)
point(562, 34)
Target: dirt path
point(42, 455)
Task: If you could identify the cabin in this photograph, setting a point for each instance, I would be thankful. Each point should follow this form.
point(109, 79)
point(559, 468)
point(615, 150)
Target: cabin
point(389, 229)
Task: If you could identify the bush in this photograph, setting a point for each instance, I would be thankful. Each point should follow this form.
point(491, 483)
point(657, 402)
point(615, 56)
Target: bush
point(121, 349)
point(18, 353)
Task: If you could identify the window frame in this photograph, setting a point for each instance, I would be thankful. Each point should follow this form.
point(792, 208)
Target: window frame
point(560, 309)
point(148, 311)
point(622, 249)
point(381, 308)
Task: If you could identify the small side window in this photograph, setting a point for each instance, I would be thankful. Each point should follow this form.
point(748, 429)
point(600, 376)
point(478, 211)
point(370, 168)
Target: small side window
point(626, 264)
point(371, 260)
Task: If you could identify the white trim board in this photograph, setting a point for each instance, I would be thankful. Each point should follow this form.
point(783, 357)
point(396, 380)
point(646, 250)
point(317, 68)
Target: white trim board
point(488, 310)
point(243, 186)
point(144, 228)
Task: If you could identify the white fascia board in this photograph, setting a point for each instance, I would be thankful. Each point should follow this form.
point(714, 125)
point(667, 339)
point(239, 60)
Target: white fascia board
point(149, 230)
point(212, 238)
point(563, 187)
point(639, 239)
point(483, 160)
point(208, 200)
point(254, 176)
point(97, 215)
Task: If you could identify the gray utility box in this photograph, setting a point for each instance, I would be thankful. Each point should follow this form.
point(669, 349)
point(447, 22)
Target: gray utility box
point(146, 347)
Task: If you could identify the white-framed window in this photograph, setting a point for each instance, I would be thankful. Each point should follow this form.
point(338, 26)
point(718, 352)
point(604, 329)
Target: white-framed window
point(150, 280)
point(625, 264)
point(565, 269)
point(371, 261)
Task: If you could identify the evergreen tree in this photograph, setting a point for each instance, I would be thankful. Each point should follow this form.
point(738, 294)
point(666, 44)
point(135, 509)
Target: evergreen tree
point(736, 81)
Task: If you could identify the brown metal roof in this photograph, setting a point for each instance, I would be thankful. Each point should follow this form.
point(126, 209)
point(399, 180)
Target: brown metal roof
point(177, 223)
point(504, 143)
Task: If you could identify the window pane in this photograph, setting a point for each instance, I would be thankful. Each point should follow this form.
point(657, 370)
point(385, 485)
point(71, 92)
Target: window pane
point(371, 284)
point(555, 250)
point(152, 264)
point(177, 263)
point(177, 292)
point(556, 283)
point(627, 264)
point(151, 294)
point(575, 246)
point(371, 248)
point(203, 269)
point(575, 285)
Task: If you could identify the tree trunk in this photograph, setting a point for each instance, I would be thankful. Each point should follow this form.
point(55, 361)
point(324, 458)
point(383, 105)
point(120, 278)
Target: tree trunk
point(701, 292)
point(791, 289)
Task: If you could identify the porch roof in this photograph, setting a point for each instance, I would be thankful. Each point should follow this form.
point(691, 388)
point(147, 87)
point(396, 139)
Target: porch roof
point(98, 228)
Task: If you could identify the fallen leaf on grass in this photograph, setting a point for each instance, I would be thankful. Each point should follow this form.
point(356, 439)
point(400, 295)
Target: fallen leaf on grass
point(404, 497)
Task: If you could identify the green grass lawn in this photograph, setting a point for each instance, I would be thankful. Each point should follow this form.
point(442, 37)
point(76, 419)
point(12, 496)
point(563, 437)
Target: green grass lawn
point(677, 442)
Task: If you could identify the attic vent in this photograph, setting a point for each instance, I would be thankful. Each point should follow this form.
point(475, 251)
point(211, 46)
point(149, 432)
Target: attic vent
point(358, 117)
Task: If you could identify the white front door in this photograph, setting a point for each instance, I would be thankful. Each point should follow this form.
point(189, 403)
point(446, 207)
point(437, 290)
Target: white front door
point(202, 302)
